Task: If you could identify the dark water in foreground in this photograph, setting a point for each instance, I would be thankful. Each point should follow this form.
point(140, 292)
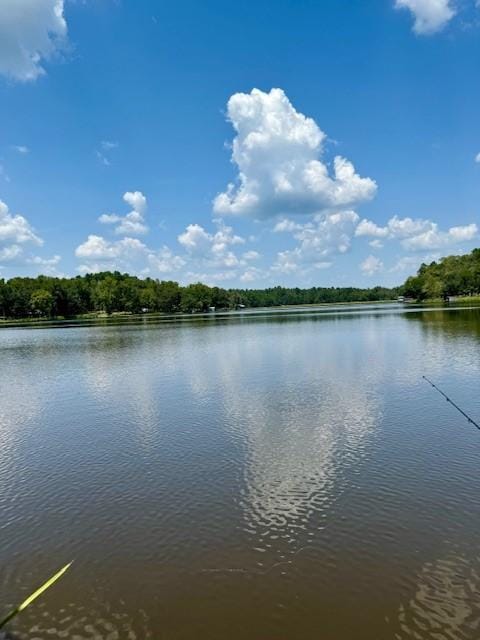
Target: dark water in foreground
point(267, 476)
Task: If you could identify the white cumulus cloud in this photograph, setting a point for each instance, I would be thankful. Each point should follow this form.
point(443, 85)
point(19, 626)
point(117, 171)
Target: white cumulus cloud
point(10, 253)
point(31, 32)
point(371, 265)
point(411, 263)
point(252, 274)
point(417, 233)
point(211, 248)
point(435, 239)
point(369, 228)
point(98, 248)
point(128, 254)
point(278, 153)
point(287, 225)
point(16, 234)
point(44, 262)
point(164, 261)
point(326, 235)
point(136, 200)
point(251, 255)
point(109, 218)
point(430, 16)
point(133, 223)
point(15, 229)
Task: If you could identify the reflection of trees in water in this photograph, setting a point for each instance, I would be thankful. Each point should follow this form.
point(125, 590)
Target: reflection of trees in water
point(454, 322)
point(446, 602)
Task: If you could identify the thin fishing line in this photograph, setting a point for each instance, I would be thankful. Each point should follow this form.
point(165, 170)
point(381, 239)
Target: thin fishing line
point(475, 424)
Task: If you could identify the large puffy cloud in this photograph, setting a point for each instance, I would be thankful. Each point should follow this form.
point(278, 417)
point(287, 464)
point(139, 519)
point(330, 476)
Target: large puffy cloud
point(417, 234)
point(31, 31)
point(134, 222)
point(278, 152)
point(430, 16)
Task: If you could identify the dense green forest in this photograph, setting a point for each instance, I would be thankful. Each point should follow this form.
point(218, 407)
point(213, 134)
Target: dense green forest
point(451, 276)
point(115, 292)
point(108, 292)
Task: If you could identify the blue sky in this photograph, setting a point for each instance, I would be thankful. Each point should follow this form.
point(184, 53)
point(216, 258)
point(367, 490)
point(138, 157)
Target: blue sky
point(243, 143)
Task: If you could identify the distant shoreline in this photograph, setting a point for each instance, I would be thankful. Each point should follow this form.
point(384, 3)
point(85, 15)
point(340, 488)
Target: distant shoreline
point(98, 316)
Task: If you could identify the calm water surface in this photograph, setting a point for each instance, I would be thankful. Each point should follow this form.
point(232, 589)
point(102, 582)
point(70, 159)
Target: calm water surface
point(263, 476)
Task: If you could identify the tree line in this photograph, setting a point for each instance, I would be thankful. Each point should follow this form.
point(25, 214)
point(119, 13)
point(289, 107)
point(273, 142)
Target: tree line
point(109, 292)
point(450, 276)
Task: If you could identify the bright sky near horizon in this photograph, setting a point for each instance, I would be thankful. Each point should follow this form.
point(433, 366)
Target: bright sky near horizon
point(242, 143)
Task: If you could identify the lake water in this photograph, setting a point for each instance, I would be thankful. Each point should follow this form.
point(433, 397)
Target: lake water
point(270, 476)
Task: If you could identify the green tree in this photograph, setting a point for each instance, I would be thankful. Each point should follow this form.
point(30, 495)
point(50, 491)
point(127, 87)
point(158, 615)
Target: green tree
point(104, 295)
point(196, 297)
point(41, 303)
point(169, 296)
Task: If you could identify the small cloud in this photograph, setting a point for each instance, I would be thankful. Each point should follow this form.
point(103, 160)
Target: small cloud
point(109, 218)
point(136, 200)
point(412, 263)
point(10, 253)
point(251, 274)
point(102, 158)
point(251, 255)
point(46, 262)
point(21, 148)
point(107, 145)
point(371, 265)
point(430, 16)
point(287, 225)
point(477, 157)
point(133, 223)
